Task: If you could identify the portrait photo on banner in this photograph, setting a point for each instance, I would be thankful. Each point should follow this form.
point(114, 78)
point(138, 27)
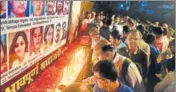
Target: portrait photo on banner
point(50, 7)
point(48, 36)
point(3, 9)
point(36, 40)
point(18, 9)
point(3, 48)
point(64, 31)
point(58, 33)
point(37, 8)
point(18, 43)
point(66, 7)
point(59, 8)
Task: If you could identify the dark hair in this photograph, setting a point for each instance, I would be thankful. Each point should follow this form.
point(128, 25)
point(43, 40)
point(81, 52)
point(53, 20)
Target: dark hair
point(58, 25)
point(46, 31)
point(106, 70)
point(63, 24)
point(150, 38)
point(141, 28)
point(115, 34)
point(32, 30)
point(4, 51)
point(107, 48)
point(109, 21)
point(126, 29)
point(158, 31)
point(12, 53)
point(87, 13)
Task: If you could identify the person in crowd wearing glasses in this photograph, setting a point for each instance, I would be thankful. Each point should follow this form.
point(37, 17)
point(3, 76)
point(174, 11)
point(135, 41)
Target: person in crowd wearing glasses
point(18, 49)
point(127, 71)
point(136, 54)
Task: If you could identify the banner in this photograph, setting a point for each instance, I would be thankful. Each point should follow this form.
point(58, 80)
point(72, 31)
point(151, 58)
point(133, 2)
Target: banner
point(30, 31)
point(74, 21)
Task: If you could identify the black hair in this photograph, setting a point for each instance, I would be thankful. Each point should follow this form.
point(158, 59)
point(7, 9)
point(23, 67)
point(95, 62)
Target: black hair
point(58, 25)
point(150, 38)
point(106, 70)
point(141, 28)
point(109, 21)
point(115, 34)
point(158, 31)
point(87, 13)
point(107, 48)
point(126, 29)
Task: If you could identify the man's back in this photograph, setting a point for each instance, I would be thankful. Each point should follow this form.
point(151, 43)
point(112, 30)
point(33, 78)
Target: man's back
point(130, 74)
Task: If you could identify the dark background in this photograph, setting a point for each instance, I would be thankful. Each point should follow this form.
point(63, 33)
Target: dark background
point(162, 11)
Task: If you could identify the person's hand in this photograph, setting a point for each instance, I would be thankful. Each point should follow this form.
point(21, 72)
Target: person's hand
point(62, 87)
point(164, 70)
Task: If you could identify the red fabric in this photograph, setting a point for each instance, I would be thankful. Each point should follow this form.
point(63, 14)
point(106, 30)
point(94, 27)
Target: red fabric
point(85, 40)
point(83, 28)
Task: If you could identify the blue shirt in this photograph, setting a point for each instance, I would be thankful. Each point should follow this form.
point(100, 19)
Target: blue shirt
point(122, 88)
point(121, 45)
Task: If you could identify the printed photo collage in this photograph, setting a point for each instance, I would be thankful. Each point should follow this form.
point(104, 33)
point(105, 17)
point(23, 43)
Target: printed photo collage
point(20, 46)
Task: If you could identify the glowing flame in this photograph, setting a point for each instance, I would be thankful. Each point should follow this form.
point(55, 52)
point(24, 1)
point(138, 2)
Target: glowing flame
point(73, 69)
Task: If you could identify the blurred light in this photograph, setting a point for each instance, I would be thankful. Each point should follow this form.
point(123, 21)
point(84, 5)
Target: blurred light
point(121, 5)
point(149, 11)
point(143, 4)
point(166, 6)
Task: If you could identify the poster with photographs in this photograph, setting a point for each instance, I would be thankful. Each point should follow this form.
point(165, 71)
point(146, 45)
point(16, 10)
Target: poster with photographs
point(30, 30)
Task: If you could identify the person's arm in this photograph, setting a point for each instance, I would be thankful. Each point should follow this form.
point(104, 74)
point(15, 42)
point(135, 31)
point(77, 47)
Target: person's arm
point(146, 65)
point(159, 87)
point(89, 81)
point(134, 79)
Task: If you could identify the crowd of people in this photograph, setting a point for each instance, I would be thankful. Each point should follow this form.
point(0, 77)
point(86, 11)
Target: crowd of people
point(129, 55)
